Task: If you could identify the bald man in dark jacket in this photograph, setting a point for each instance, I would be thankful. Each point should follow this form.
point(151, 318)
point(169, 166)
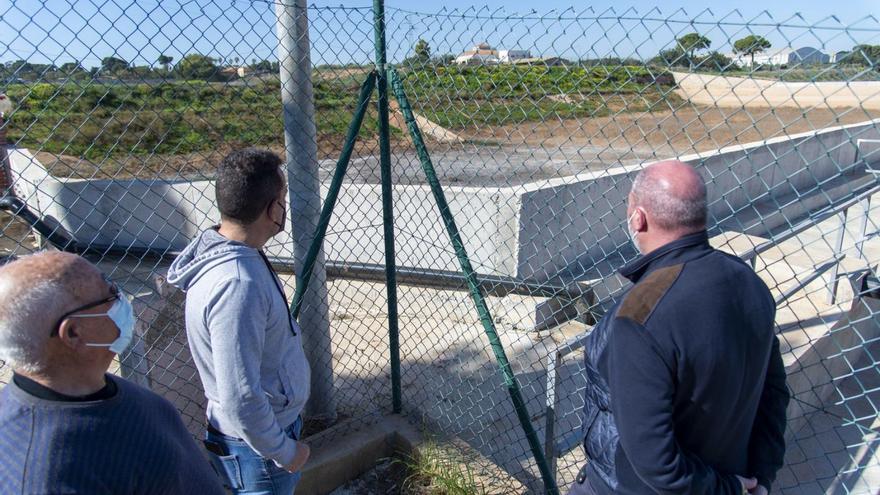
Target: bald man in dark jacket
point(686, 386)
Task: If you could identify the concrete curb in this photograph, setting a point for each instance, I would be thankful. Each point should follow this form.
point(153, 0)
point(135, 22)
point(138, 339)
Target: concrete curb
point(347, 457)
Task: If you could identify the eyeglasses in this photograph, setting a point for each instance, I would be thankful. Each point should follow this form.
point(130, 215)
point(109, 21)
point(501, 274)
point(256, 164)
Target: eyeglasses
point(114, 295)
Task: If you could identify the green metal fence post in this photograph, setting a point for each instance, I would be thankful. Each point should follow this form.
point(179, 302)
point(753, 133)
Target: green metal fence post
point(473, 284)
point(327, 210)
point(387, 202)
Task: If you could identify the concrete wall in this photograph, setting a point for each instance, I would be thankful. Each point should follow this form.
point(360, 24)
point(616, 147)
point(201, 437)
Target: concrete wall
point(714, 90)
point(575, 228)
point(572, 227)
point(167, 214)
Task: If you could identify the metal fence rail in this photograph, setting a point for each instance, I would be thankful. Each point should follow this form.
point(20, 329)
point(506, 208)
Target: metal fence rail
point(529, 128)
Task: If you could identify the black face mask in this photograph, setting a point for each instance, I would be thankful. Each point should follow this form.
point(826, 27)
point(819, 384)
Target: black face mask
point(283, 215)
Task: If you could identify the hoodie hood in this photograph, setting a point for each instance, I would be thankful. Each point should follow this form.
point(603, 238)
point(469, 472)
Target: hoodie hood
point(207, 251)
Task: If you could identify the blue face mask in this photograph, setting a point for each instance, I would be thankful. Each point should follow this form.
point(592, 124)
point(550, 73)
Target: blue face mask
point(122, 315)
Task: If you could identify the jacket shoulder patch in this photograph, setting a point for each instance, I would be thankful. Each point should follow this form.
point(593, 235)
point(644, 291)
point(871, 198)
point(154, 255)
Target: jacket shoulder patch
point(643, 298)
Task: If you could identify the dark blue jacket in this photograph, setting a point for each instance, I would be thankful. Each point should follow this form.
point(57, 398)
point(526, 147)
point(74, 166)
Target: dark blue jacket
point(132, 443)
point(685, 381)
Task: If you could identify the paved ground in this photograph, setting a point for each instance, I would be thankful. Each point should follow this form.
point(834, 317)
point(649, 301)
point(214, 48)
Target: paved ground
point(451, 383)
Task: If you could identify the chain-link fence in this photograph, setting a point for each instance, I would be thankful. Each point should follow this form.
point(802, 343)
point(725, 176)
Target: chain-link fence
point(536, 124)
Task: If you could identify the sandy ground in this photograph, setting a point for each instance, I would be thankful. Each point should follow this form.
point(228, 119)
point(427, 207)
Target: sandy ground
point(710, 89)
point(685, 130)
point(514, 153)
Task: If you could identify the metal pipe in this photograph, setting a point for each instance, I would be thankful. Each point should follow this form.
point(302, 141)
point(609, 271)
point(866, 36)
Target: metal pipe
point(838, 251)
point(387, 203)
point(494, 285)
point(814, 219)
point(818, 272)
point(304, 193)
point(5, 171)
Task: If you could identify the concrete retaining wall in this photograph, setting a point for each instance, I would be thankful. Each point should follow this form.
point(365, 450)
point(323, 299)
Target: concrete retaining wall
point(576, 229)
point(571, 227)
point(167, 214)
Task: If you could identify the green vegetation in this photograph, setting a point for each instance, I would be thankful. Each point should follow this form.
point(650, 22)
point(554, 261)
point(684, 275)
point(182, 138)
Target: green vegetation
point(98, 120)
point(440, 470)
point(865, 55)
point(95, 120)
point(468, 97)
point(684, 54)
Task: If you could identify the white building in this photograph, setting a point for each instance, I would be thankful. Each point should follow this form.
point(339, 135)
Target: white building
point(785, 56)
point(511, 56)
point(478, 55)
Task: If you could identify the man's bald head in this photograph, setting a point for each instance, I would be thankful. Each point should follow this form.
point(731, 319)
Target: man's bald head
point(673, 195)
point(35, 291)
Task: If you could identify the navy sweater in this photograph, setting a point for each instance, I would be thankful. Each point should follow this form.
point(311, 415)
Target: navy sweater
point(131, 443)
point(696, 379)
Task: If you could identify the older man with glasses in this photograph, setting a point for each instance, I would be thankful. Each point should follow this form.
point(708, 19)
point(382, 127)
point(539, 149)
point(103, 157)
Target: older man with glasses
point(66, 426)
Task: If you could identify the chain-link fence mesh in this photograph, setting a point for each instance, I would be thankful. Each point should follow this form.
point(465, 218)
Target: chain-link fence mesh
point(536, 125)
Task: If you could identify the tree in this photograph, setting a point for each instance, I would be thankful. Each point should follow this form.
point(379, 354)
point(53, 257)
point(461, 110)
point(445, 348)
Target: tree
point(262, 66)
point(445, 59)
point(71, 68)
point(165, 61)
point(670, 57)
point(20, 66)
point(868, 55)
point(422, 50)
point(750, 45)
point(691, 43)
point(197, 66)
point(715, 61)
point(112, 65)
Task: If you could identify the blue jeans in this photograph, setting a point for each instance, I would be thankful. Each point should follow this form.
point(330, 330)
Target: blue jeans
point(244, 471)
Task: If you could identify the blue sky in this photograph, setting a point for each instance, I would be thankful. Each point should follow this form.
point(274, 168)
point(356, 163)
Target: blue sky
point(139, 30)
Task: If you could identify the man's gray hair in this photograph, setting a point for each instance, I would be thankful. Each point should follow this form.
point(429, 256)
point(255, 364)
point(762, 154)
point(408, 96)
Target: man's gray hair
point(683, 211)
point(26, 317)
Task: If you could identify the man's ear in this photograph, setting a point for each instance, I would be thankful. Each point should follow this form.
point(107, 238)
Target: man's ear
point(640, 220)
point(69, 333)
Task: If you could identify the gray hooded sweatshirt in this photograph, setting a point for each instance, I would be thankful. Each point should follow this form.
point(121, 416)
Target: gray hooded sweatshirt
point(252, 366)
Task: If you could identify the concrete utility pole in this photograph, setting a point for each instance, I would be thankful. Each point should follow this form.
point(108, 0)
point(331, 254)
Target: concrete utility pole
point(304, 193)
point(5, 171)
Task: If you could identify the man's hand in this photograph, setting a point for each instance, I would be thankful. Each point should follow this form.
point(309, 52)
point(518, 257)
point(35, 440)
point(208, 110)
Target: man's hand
point(748, 484)
point(300, 458)
point(759, 490)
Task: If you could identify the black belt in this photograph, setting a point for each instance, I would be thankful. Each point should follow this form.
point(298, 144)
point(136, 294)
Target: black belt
point(215, 431)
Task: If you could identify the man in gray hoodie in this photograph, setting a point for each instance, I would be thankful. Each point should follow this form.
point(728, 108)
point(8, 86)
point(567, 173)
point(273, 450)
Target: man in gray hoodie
point(247, 348)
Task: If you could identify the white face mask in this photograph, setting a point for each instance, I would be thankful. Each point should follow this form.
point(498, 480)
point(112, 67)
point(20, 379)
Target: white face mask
point(633, 235)
point(122, 315)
